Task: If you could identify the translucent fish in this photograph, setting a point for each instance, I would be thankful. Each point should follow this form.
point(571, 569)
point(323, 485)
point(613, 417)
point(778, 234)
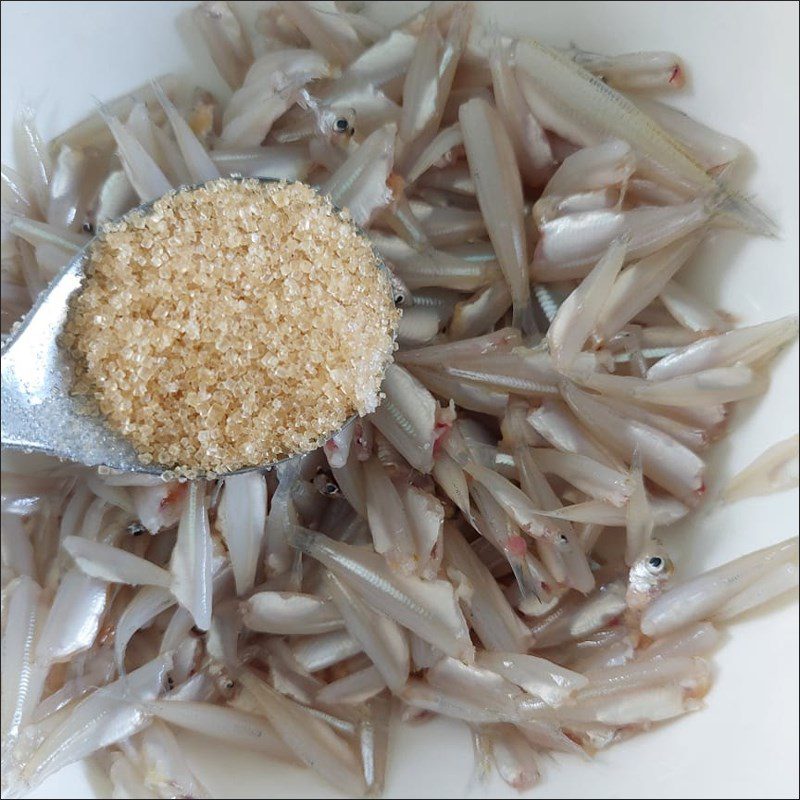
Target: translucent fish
point(74, 618)
point(353, 689)
point(64, 206)
point(226, 41)
point(314, 653)
point(665, 460)
point(602, 113)
point(531, 146)
point(190, 564)
point(428, 80)
point(489, 613)
point(327, 29)
point(773, 471)
point(360, 183)
point(494, 169)
point(741, 346)
point(593, 168)
point(700, 598)
point(198, 162)
point(290, 612)
point(578, 314)
point(428, 608)
point(108, 715)
point(144, 607)
point(230, 725)
point(693, 640)
point(706, 387)
point(690, 311)
point(639, 284)
point(284, 162)
point(568, 246)
point(708, 147)
point(143, 172)
point(425, 515)
point(311, 740)
point(643, 71)
point(165, 766)
point(407, 417)
point(535, 675)
point(241, 517)
point(23, 679)
point(382, 639)
point(33, 159)
point(437, 151)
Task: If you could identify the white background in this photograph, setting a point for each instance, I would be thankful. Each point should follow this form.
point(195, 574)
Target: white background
point(742, 60)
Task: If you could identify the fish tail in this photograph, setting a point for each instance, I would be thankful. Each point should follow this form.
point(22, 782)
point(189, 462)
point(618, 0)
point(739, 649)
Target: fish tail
point(523, 319)
point(734, 210)
point(527, 583)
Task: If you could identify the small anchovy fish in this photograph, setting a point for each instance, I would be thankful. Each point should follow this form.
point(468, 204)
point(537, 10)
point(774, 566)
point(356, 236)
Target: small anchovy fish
point(634, 71)
point(712, 593)
point(775, 470)
point(497, 183)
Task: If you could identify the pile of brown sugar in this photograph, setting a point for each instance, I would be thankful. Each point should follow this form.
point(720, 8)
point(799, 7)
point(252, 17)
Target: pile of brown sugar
point(231, 325)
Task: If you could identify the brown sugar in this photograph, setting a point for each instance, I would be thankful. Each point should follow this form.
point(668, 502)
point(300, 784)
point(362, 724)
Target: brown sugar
point(231, 325)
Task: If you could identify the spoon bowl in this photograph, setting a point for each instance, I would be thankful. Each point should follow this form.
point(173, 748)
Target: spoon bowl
point(40, 414)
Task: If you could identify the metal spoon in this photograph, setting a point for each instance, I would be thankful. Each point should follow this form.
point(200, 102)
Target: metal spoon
point(38, 412)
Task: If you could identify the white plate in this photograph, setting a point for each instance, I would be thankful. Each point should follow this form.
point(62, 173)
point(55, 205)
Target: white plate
point(742, 59)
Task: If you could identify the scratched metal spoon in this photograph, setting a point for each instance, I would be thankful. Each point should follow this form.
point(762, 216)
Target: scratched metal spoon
point(39, 414)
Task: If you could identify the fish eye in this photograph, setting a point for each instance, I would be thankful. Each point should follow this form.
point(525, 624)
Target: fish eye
point(562, 539)
point(655, 564)
point(341, 125)
point(399, 299)
point(88, 227)
point(325, 484)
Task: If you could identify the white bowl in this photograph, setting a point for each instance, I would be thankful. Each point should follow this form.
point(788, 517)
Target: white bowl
point(742, 59)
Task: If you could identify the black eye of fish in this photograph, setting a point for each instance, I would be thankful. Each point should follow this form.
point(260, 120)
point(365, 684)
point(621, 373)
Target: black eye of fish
point(563, 539)
point(229, 684)
point(325, 484)
point(341, 125)
point(399, 299)
point(655, 562)
point(88, 227)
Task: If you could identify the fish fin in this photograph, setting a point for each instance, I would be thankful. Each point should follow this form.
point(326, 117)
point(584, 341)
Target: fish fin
point(524, 320)
point(159, 92)
point(525, 580)
point(723, 171)
point(470, 463)
point(734, 210)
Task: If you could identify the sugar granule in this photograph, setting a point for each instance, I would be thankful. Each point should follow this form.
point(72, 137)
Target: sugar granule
point(231, 325)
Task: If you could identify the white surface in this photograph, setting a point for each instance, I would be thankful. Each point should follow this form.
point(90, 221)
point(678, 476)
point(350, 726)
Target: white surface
point(742, 59)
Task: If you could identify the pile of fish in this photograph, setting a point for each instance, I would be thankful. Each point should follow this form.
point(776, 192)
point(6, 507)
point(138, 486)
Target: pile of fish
point(483, 546)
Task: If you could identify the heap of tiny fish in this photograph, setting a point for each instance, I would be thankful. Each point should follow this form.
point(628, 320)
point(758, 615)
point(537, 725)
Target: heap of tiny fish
point(484, 545)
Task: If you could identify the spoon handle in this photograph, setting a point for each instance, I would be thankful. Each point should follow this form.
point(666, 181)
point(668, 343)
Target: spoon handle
point(39, 413)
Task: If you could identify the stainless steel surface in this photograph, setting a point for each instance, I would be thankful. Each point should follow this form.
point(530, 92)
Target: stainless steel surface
point(38, 412)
